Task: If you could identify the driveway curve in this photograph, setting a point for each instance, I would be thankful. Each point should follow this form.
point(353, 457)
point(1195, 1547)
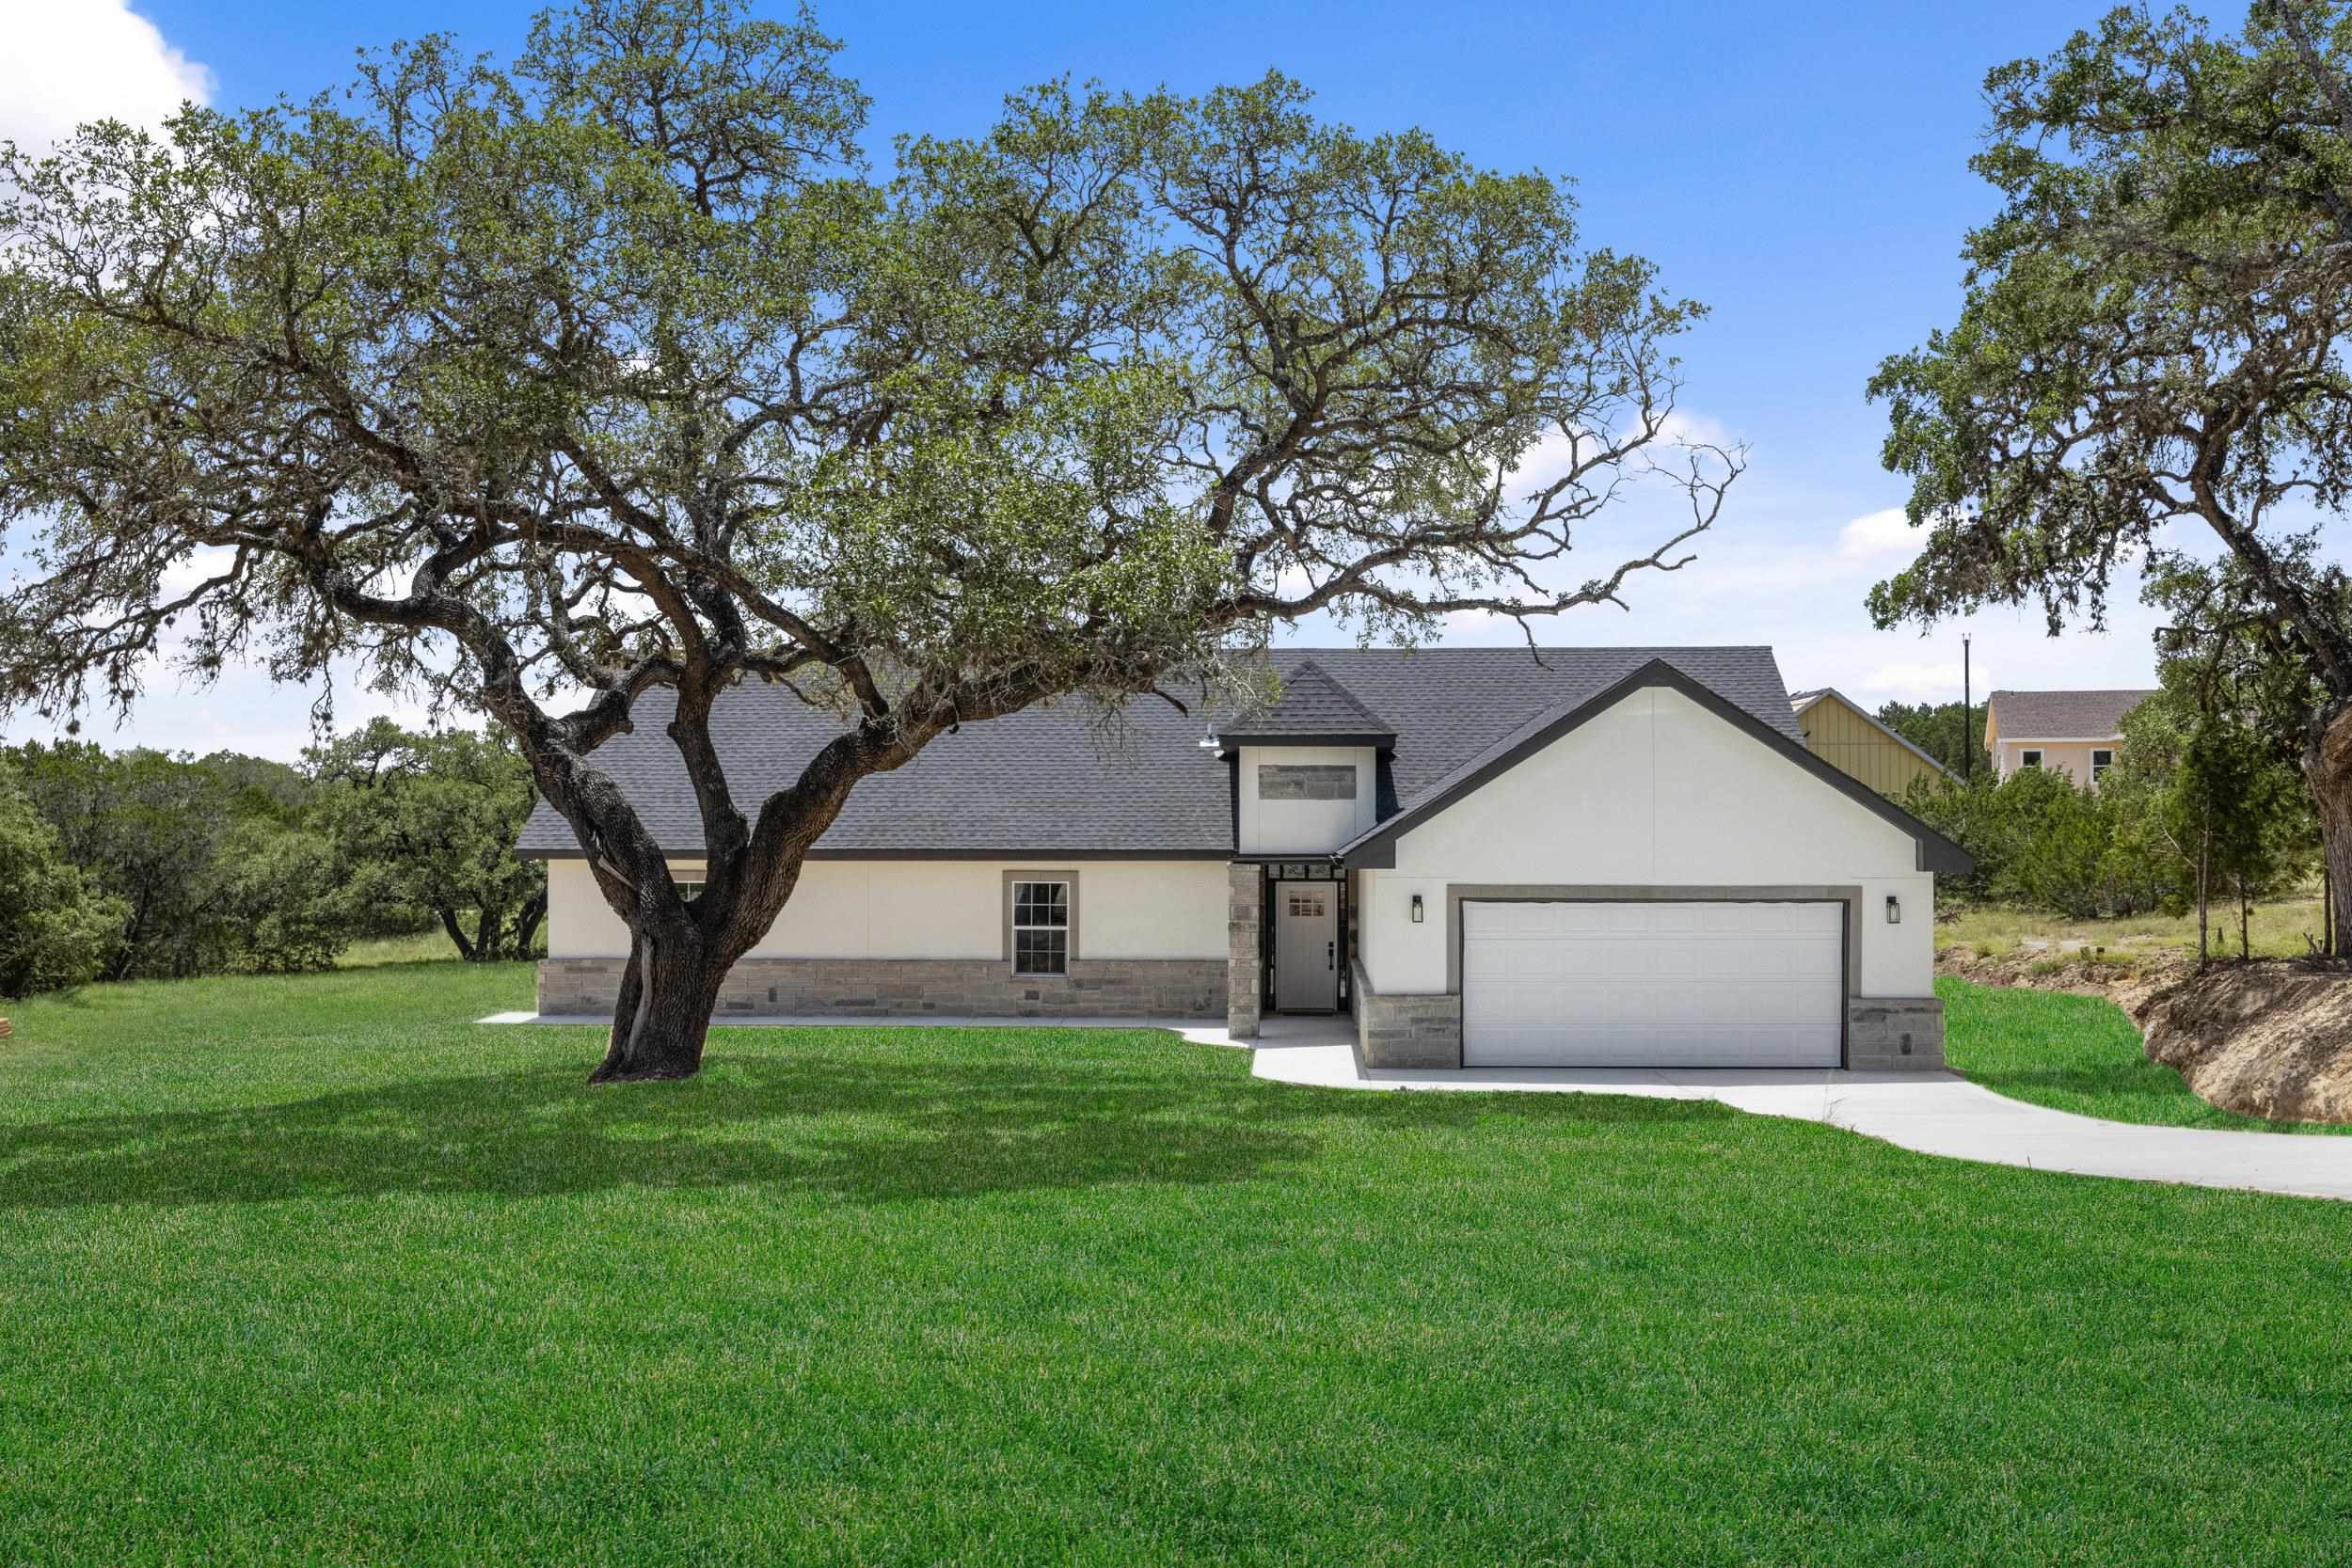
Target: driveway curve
point(1934, 1112)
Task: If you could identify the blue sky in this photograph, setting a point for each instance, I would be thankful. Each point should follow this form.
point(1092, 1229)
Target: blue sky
point(1802, 170)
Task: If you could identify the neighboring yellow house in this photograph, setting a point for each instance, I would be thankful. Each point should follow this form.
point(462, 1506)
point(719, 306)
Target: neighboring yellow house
point(2074, 732)
point(1841, 731)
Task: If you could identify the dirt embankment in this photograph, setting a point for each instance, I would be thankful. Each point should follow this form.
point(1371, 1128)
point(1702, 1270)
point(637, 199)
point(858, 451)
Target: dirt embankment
point(2268, 1039)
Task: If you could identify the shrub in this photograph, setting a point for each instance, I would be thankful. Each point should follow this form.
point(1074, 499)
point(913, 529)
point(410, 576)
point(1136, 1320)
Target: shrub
point(54, 931)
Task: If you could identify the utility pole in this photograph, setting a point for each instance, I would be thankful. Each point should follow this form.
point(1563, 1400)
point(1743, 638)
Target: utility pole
point(1968, 735)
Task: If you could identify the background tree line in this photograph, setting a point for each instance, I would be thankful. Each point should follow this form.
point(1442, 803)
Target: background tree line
point(145, 865)
point(2205, 808)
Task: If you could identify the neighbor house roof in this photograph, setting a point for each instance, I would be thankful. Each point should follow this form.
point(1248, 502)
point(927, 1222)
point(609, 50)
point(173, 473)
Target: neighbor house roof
point(1068, 780)
point(2062, 715)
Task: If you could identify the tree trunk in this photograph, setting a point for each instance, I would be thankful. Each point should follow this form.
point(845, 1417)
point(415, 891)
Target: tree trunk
point(456, 933)
point(2328, 769)
point(527, 923)
point(668, 992)
point(2205, 860)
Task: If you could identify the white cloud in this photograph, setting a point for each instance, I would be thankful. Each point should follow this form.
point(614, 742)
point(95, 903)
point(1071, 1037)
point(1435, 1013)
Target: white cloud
point(1879, 533)
point(1916, 681)
point(71, 61)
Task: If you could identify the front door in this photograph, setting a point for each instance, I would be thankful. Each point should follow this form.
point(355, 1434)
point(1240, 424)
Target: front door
point(1305, 947)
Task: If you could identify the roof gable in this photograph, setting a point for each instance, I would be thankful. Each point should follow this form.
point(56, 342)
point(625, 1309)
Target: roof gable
point(1378, 848)
point(1799, 700)
point(1313, 710)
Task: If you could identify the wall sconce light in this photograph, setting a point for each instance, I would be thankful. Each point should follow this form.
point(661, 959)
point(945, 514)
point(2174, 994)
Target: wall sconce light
point(1894, 910)
point(1417, 907)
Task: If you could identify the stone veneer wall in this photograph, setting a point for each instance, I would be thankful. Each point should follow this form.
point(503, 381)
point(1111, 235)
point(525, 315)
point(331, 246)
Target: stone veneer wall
point(1903, 1034)
point(894, 987)
point(1245, 984)
point(1422, 1030)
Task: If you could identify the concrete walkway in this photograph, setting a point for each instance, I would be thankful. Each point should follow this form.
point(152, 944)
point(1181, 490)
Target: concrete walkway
point(1934, 1112)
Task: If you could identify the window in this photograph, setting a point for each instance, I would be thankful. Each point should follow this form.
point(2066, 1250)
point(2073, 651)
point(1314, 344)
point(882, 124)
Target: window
point(2101, 760)
point(1041, 928)
point(2029, 759)
point(690, 891)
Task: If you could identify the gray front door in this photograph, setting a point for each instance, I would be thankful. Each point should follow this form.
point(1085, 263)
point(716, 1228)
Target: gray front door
point(1305, 947)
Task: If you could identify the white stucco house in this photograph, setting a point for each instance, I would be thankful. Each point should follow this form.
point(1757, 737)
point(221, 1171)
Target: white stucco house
point(1488, 857)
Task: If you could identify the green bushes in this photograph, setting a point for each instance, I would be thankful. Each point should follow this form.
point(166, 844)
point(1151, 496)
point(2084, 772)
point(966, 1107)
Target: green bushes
point(2039, 840)
point(2199, 809)
point(141, 864)
point(55, 930)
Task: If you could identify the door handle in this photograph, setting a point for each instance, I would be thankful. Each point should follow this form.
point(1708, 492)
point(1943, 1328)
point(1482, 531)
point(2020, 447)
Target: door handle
point(1329, 961)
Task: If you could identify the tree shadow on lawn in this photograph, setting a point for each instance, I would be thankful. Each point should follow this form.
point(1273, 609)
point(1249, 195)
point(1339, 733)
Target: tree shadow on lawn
point(866, 1131)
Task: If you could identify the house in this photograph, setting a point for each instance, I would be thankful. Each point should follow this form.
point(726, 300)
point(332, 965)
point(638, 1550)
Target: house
point(1590, 857)
point(2076, 732)
point(1841, 731)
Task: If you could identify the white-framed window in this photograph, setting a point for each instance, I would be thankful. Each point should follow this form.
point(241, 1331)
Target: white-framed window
point(688, 891)
point(2101, 760)
point(1041, 928)
point(2029, 759)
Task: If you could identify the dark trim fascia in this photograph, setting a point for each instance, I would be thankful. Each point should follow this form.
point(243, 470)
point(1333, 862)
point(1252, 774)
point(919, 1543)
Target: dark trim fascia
point(1383, 740)
point(1377, 850)
point(1049, 853)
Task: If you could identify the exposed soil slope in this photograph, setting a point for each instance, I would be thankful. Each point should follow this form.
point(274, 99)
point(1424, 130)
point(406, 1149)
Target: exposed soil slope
point(2268, 1039)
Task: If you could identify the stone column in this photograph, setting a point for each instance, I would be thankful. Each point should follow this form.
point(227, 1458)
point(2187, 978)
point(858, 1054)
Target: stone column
point(1894, 1034)
point(1245, 918)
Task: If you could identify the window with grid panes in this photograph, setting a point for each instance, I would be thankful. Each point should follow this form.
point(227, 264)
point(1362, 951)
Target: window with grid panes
point(1041, 928)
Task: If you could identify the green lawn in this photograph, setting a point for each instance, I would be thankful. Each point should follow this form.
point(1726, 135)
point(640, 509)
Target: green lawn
point(2079, 1053)
point(317, 1271)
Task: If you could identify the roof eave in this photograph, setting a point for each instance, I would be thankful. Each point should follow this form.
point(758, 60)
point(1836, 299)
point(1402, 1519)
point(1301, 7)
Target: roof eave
point(953, 852)
point(1380, 740)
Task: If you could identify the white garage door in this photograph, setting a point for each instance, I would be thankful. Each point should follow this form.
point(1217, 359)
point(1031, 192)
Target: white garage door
point(1651, 985)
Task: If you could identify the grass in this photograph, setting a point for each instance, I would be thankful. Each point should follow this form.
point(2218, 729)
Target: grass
point(2277, 930)
point(414, 947)
point(317, 1271)
point(2079, 1053)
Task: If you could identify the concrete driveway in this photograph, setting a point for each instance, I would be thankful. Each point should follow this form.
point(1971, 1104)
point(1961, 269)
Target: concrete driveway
point(1934, 1112)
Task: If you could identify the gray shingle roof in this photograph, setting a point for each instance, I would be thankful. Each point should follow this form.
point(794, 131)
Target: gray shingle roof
point(1312, 703)
point(1059, 778)
point(2064, 715)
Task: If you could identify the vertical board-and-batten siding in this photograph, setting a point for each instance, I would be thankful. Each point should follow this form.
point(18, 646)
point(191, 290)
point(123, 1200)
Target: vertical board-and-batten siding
point(1852, 743)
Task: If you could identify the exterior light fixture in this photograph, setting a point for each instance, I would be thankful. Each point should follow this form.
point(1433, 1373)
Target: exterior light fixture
point(1894, 910)
point(1417, 907)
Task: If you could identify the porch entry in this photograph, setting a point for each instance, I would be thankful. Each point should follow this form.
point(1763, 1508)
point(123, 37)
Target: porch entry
point(1306, 946)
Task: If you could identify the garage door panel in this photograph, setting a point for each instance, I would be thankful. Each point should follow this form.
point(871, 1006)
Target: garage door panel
point(1666, 983)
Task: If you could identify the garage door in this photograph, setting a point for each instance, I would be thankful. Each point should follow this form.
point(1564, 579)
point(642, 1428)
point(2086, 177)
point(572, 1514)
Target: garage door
point(1651, 985)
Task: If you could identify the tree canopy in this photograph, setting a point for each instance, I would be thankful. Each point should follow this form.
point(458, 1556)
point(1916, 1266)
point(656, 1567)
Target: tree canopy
point(428, 821)
point(2153, 334)
point(540, 386)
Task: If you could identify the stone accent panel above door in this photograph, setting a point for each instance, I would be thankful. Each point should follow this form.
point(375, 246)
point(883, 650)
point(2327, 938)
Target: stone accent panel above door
point(1295, 781)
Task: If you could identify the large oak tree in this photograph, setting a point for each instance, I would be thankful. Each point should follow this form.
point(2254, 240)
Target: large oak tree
point(2153, 334)
point(616, 369)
